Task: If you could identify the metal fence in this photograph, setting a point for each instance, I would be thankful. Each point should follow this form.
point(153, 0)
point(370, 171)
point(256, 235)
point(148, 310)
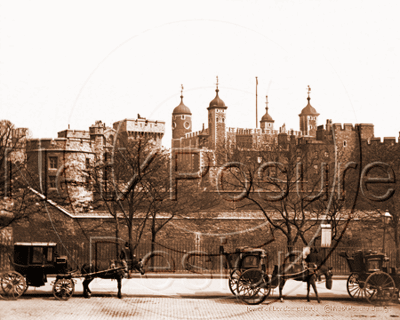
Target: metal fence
point(206, 258)
point(183, 257)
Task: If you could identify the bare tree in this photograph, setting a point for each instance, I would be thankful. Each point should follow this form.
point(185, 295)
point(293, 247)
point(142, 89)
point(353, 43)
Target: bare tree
point(289, 184)
point(133, 183)
point(17, 201)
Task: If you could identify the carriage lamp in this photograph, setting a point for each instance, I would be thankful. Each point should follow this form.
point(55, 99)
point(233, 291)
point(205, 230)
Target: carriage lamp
point(386, 219)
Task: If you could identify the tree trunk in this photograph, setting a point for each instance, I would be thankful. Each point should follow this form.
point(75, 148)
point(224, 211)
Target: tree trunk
point(397, 244)
point(153, 239)
point(290, 247)
point(130, 236)
point(116, 231)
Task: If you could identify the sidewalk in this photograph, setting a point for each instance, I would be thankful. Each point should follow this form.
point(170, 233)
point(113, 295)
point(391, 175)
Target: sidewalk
point(171, 298)
point(190, 286)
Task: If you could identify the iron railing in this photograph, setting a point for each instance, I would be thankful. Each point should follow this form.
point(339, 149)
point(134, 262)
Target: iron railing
point(184, 257)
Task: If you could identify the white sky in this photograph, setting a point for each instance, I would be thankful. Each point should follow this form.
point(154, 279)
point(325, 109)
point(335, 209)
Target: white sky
point(74, 62)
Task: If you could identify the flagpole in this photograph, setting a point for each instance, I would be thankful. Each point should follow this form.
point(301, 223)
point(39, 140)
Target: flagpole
point(256, 103)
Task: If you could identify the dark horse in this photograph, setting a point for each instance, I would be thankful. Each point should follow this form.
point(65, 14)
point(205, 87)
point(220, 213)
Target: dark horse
point(117, 271)
point(300, 273)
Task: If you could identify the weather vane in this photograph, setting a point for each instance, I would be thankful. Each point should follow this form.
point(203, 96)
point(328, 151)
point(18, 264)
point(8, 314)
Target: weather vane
point(182, 90)
point(309, 90)
point(217, 82)
point(266, 102)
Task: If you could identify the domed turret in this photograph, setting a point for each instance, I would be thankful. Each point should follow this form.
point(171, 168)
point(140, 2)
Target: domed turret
point(308, 118)
point(181, 120)
point(309, 109)
point(216, 120)
point(181, 108)
point(217, 102)
point(266, 121)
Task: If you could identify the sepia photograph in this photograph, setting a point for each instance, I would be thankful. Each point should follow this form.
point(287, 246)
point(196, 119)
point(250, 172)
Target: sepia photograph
point(223, 159)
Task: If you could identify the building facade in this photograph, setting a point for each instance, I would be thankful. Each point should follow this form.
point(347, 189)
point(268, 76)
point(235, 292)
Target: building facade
point(219, 136)
point(61, 166)
point(69, 156)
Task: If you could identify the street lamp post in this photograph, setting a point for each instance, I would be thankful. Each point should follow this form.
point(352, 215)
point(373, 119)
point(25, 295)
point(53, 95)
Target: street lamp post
point(386, 219)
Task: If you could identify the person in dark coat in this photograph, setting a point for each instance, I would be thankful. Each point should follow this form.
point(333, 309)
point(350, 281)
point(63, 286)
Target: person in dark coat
point(313, 257)
point(126, 257)
point(313, 260)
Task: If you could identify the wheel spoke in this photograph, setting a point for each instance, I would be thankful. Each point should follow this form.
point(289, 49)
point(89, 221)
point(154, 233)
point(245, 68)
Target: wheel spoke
point(379, 288)
point(13, 284)
point(63, 288)
point(251, 286)
point(354, 286)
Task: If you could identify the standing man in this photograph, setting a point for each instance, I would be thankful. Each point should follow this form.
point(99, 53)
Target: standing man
point(126, 257)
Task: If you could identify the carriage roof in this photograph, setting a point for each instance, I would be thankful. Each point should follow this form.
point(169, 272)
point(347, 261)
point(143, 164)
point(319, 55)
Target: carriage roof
point(35, 244)
point(250, 250)
point(371, 255)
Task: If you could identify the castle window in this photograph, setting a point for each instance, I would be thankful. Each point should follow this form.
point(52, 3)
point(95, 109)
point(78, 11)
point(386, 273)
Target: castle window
point(87, 163)
point(87, 181)
point(217, 119)
point(53, 162)
point(52, 182)
point(183, 117)
point(344, 143)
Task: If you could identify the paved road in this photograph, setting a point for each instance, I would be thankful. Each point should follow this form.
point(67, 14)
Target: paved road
point(176, 298)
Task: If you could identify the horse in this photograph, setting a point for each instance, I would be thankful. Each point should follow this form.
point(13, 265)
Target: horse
point(117, 270)
point(298, 272)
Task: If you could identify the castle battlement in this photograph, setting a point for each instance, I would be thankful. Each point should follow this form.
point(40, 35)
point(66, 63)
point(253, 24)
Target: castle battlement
point(377, 141)
point(350, 126)
point(196, 133)
point(344, 127)
point(141, 125)
point(63, 144)
point(79, 134)
point(246, 131)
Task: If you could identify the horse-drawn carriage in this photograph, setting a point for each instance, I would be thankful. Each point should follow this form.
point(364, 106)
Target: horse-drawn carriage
point(34, 261)
point(369, 279)
point(250, 281)
point(242, 259)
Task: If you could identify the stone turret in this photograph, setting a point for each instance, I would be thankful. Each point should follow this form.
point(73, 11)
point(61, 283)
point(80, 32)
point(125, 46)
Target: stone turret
point(266, 121)
point(216, 120)
point(181, 120)
point(308, 118)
